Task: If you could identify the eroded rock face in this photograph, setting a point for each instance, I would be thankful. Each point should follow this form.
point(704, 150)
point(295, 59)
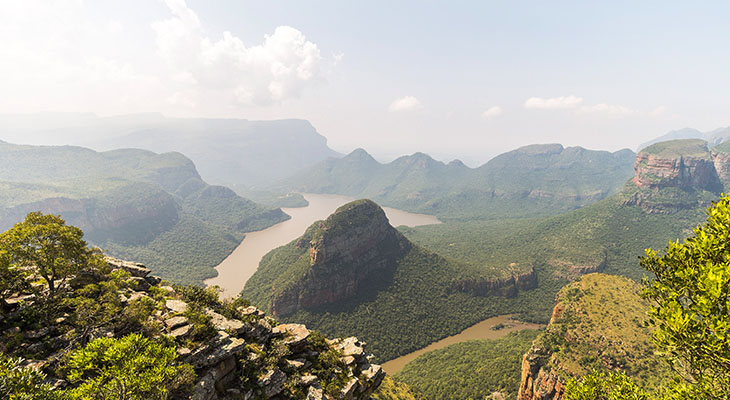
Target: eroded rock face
point(506, 287)
point(350, 250)
point(682, 172)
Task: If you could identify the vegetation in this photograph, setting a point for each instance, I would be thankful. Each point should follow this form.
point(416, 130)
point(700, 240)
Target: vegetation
point(45, 246)
point(18, 382)
point(469, 370)
point(133, 367)
point(135, 204)
point(675, 148)
point(689, 313)
point(391, 389)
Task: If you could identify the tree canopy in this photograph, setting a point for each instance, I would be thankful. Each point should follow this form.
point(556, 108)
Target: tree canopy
point(47, 248)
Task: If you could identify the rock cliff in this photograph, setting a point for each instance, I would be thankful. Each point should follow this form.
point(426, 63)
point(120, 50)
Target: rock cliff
point(243, 354)
point(677, 174)
point(506, 287)
point(597, 324)
point(352, 249)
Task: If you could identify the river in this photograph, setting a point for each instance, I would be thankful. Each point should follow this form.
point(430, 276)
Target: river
point(481, 330)
point(238, 267)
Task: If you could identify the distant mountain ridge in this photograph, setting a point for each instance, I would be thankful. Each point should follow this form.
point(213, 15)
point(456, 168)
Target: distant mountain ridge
point(234, 152)
point(713, 137)
point(130, 202)
point(535, 180)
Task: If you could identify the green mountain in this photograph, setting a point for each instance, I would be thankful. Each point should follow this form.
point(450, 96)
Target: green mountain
point(532, 181)
point(426, 288)
point(354, 272)
point(233, 152)
point(133, 203)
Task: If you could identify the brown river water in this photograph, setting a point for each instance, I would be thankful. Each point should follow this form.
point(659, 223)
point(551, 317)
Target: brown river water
point(481, 330)
point(238, 267)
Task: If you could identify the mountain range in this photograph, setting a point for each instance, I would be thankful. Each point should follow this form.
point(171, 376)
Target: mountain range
point(531, 181)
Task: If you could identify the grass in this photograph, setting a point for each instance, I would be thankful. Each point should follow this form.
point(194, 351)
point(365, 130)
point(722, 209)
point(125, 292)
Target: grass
point(683, 147)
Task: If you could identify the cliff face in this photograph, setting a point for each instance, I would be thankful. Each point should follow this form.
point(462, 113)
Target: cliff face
point(352, 249)
point(682, 172)
point(147, 214)
point(675, 175)
point(597, 325)
point(505, 287)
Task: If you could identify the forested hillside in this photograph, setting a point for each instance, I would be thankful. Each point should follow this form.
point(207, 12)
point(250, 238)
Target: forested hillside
point(136, 204)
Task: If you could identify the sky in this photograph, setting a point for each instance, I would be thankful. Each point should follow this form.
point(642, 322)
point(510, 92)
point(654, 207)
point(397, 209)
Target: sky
point(455, 79)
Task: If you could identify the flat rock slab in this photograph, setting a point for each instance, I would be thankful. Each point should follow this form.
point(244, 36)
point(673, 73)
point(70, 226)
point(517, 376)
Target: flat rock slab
point(176, 305)
point(295, 334)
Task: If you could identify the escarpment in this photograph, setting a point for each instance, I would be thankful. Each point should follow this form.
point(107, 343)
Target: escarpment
point(597, 325)
point(508, 286)
point(235, 351)
point(352, 249)
point(678, 174)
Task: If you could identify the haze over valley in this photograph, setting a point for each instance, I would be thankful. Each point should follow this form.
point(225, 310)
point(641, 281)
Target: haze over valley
point(364, 201)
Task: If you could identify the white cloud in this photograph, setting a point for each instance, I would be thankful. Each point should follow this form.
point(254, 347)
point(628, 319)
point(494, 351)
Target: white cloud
point(561, 102)
point(280, 68)
point(406, 103)
point(607, 109)
point(492, 112)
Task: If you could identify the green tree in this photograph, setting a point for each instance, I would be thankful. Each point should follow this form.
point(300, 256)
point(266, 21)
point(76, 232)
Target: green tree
point(130, 368)
point(48, 248)
point(691, 295)
point(12, 278)
point(22, 383)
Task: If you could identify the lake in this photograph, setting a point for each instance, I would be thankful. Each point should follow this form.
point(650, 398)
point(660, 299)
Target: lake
point(481, 330)
point(238, 267)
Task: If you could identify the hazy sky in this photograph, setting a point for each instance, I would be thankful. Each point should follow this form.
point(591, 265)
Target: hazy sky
point(468, 79)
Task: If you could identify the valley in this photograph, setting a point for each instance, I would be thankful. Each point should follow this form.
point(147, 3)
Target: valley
point(237, 268)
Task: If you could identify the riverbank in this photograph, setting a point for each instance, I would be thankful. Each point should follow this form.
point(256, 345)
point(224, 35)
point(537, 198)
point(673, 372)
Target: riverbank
point(243, 262)
point(482, 330)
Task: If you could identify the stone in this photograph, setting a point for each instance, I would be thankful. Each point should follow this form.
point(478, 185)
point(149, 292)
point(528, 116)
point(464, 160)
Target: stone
point(295, 335)
point(141, 283)
point(137, 296)
point(272, 382)
point(134, 269)
point(297, 364)
point(176, 305)
point(220, 348)
point(310, 380)
point(314, 393)
point(176, 322)
point(181, 331)
point(349, 390)
point(222, 323)
point(251, 310)
point(153, 280)
point(259, 332)
point(350, 346)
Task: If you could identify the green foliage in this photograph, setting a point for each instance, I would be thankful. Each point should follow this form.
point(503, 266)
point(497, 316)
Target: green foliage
point(469, 370)
point(599, 386)
point(133, 367)
point(391, 389)
point(97, 304)
point(681, 147)
point(23, 383)
point(691, 302)
point(12, 278)
point(47, 247)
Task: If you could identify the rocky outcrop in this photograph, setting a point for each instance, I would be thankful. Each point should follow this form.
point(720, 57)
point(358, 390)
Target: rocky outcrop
point(244, 355)
point(505, 287)
point(657, 171)
point(352, 249)
point(676, 175)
